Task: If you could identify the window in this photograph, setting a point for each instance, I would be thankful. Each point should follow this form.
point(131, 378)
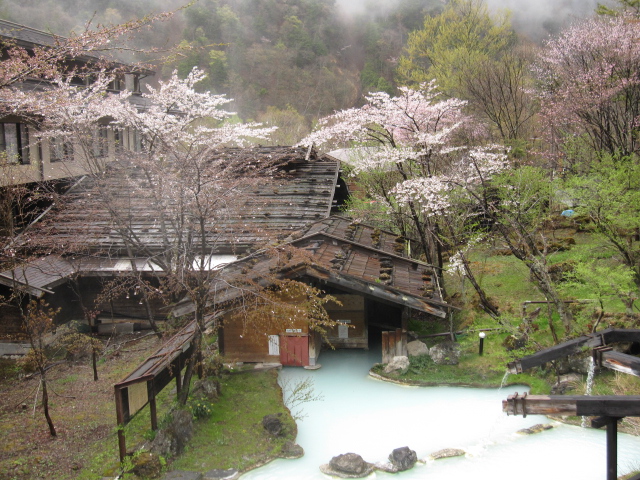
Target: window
point(60, 149)
point(118, 137)
point(100, 142)
point(274, 345)
point(14, 141)
point(138, 141)
point(117, 84)
point(136, 84)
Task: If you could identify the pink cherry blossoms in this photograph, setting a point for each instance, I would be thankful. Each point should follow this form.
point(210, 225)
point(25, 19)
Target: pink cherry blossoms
point(590, 82)
point(413, 133)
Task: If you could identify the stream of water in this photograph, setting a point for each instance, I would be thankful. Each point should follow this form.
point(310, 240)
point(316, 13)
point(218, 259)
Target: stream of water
point(366, 416)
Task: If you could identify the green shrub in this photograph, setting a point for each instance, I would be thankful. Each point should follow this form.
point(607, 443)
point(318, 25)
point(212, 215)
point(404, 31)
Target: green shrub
point(200, 408)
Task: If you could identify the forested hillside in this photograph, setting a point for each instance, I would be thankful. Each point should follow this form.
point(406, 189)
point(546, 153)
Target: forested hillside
point(283, 61)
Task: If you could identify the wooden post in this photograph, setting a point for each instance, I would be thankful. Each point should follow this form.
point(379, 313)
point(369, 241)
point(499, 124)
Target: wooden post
point(122, 447)
point(612, 448)
point(392, 345)
point(398, 342)
point(178, 377)
point(385, 347)
point(153, 411)
point(405, 352)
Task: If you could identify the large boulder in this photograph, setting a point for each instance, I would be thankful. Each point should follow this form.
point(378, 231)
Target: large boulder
point(272, 424)
point(147, 465)
point(170, 441)
point(417, 348)
point(347, 465)
point(403, 458)
point(514, 342)
point(398, 364)
point(566, 383)
point(445, 353)
point(574, 364)
point(207, 389)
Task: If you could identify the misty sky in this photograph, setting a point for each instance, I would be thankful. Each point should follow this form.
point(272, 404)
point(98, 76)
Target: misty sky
point(533, 18)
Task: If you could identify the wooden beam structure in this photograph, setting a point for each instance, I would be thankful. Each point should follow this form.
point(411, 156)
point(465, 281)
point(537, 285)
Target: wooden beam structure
point(615, 360)
point(609, 409)
point(620, 362)
point(605, 405)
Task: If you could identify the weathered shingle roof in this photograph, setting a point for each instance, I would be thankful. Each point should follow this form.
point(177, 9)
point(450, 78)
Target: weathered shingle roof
point(298, 193)
point(25, 36)
point(39, 275)
point(340, 262)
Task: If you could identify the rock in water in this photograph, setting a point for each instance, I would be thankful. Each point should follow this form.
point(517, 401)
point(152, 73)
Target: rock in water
point(403, 458)
point(218, 474)
point(535, 429)
point(447, 453)
point(347, 465)
point(291, 450)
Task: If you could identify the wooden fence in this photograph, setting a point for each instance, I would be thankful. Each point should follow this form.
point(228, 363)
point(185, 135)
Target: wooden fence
point(394, 343)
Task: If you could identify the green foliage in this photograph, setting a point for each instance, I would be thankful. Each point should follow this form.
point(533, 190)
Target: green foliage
point(450, 44)
point(607, 191)
point(632, 6)
point(200, 408)
point(235, 427)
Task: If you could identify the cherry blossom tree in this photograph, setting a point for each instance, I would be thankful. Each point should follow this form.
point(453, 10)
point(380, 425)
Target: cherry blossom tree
point(413, 138)
point(181, 177)
point(591, 85)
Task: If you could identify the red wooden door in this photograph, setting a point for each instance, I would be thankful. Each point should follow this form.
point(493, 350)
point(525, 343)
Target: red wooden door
point(294, 351)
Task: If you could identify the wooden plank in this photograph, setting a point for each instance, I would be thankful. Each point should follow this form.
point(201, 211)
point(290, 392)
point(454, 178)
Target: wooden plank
point(398, 342)
point(606, 405)
point(553, 353)
point(385, 347)
point(621, 362)
point(613, 335)
point(392, 345)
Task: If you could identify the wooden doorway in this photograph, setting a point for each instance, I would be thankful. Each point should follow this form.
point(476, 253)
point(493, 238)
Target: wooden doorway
point(294, 351)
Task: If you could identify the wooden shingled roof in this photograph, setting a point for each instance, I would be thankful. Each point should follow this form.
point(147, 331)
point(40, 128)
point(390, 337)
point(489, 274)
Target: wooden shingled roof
point(336, 260)
point(298, 192)
point(38, 276)
point(360, 233)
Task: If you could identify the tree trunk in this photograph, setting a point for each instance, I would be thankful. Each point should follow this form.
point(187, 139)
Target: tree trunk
point(94, 361)
point(552, 327)
point(191, 368)
point(485, 303)
point(45, 403)
point(544, 282)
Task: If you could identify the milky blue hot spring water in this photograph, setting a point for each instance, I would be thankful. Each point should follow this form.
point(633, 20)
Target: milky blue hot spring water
point(369, 417)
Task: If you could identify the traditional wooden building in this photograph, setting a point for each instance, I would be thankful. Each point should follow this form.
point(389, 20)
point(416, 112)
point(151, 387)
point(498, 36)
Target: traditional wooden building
point(31, 160)
point(90, 248)
point(365, 269)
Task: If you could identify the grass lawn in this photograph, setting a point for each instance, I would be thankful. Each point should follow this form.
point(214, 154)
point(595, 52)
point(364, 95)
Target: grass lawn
point(233, 437)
